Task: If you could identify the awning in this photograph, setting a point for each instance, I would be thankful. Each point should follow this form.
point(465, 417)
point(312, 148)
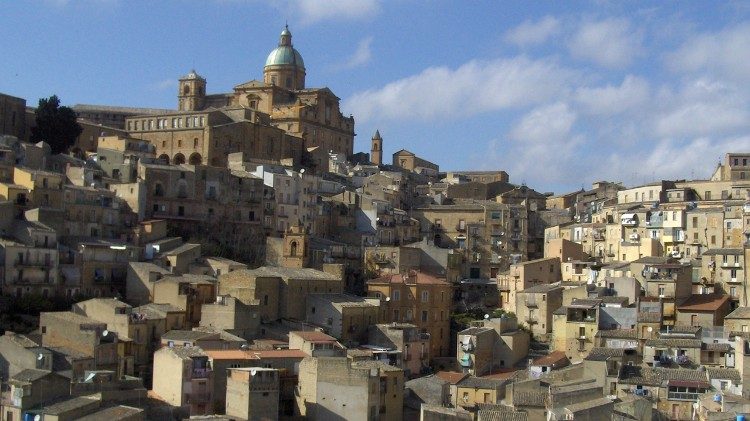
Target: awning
point(627, 216)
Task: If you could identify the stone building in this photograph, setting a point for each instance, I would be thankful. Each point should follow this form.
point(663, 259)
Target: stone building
point(183, 378)
point(418, 298)
point(252, 393)
point(491, 344)
point(334, 387)
point(487, 237)
point(534, 307)
point(279, 292)
point(31, 261)
point(524, 275)
point(270, 120)
point(345, 317)
point(13, 116)
point(88, 337)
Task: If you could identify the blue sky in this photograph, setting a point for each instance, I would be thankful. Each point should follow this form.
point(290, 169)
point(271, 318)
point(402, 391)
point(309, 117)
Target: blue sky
point(558, 94)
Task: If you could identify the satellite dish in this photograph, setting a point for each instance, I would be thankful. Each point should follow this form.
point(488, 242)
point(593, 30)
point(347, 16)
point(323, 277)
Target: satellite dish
point(302, 171)
point(650, 329)
point(486, 316)
point(37, 417)
point(387, 298)
point(253, 372)
point(40, 357)
point(105, 333)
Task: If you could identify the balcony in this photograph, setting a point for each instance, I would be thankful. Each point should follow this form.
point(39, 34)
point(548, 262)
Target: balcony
point(682, 360)
point(683, 396)
point(531, 303)
point(503, 286)
point(201, 373)
point(33, 263)
point(531, 320)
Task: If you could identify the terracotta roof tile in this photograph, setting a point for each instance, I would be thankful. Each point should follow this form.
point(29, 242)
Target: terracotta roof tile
point(704, 302)
point(451, 377)
point(555, 358)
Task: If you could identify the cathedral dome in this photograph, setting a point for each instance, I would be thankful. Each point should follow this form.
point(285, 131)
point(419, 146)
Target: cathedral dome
point(285, 54)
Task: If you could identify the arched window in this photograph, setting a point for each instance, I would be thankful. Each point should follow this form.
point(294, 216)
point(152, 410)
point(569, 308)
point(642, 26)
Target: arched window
point(195, 142)
point(293, 247)
point(186, 89)
point(179, 159)
point(158, 190)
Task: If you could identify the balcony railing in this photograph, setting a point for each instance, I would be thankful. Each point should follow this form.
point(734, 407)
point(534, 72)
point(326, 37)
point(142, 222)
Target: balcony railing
point(682, 396)
point(682, 359)
point(201, 373)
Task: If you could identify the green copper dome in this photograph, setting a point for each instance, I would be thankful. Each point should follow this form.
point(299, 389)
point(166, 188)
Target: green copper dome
point(285, 54)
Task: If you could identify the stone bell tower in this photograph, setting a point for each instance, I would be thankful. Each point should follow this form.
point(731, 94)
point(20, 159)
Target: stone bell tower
point(376, 151)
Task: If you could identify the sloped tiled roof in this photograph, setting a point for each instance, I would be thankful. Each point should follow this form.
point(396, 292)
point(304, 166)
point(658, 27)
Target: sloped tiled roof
point(703, 302)
point(724, 373)
point(739, 313)
point(602, 353)
point(675, 343)
point(529, 397)
point(618, 333)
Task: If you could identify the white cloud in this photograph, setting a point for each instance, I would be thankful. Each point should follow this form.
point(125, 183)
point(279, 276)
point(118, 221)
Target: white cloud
point(474, 87)
point(362, 54)
point(532, 33)
point(312, 11)
point(609, 43)
point(610, 100)
point(701, 108)
point(672, 159)
point(544, 147)
point(726, 52)
point(545, 123)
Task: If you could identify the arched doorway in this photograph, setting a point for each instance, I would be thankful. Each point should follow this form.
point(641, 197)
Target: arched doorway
point(164, 158)
point(195, 159)
point(178, 159)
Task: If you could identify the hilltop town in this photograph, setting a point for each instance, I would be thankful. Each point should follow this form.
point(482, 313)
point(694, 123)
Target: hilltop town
point(235, 259)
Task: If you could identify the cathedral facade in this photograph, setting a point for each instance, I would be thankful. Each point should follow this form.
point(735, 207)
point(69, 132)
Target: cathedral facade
point(270, 120)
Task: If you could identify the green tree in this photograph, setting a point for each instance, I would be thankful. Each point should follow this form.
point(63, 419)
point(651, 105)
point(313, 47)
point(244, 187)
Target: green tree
point(55, 125)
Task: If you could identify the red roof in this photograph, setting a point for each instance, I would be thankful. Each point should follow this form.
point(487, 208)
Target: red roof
point(451, 377)
point(704, 302)
point(314, 336)
point(554, 359)
point(230, 354)
point(412, 278)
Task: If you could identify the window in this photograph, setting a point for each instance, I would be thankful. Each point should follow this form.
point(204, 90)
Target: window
point(424, 316)
point(396, 295)
point(425, 296)
point(661, 289)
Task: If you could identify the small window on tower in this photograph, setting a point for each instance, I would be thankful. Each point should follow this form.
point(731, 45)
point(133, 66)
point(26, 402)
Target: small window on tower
point(186, 89)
